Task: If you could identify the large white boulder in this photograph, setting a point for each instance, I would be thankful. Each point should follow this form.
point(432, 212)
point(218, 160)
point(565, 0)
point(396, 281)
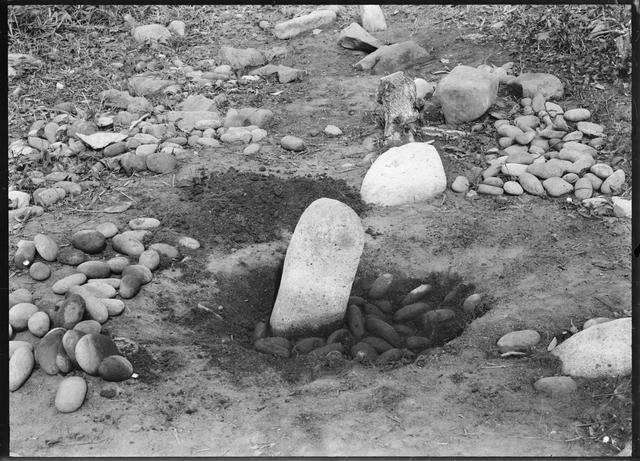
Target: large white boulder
point(319, 269)
point(599, 351)
point(466, 93)
point(405, 174)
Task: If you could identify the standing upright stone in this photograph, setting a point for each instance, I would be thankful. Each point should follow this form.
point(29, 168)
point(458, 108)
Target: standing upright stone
point(319, 269)
point(466, 93)
point(372, 18)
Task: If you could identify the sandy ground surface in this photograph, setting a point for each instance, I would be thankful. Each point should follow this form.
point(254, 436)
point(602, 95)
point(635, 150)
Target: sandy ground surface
point(203, 391)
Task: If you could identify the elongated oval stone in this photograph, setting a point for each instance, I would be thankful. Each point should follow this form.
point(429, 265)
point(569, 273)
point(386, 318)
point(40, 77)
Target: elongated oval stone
point(319, 269)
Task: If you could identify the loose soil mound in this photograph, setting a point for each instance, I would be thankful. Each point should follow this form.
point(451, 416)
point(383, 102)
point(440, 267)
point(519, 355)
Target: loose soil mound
point(246, 208)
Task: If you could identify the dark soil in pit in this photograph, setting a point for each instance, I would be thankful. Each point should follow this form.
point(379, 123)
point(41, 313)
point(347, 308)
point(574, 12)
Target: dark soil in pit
point(236, 207)
point(224, 320)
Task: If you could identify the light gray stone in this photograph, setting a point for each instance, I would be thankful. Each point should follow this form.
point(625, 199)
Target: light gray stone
point(557, 187)
point(393, 58)
point(509, 131)
point(160, 162)
point(621, 207)
point(488, 189)
point(460, 184)
point(601, 170)
point(372, 18)
point(577, 115)
point(556, 386)
point(306, 23)
point(513, 169)
point(466, 94)
point(405, 174)
point(595, 321)
point(292, 143)
point(590, 129)
point(239, 58)
point(151, 33)
point(613, 184)
point(197, 102)
point(529, 84)
point(147, 85)
point(423, 88)
point(177, 27)
point(236, 134)
point(513, 188)
point(355, 37)
point(332, 131)
point(599, 351)
point(518, 341)
point(583, 188)
point(319, 268)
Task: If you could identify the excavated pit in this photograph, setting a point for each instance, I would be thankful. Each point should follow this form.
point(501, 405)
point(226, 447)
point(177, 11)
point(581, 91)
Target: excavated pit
point(243, 214)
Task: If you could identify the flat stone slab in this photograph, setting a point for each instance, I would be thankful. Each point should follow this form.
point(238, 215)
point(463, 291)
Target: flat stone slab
point(308, 22)
point(599, 351)
point(319, 269)
point(392, 58)
point(405, 174)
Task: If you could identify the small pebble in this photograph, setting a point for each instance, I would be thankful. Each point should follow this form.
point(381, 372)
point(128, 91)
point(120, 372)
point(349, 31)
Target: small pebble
point(71, 394)
point(494, 181)
point(460, 184)
point(189, 242)
point(601, 170)
point(332, 131)
point(292, 143)
point(513, 188)
point(556, 386)
point(518, 341)
point(489, 190)
point(251, 149)
point(144, 223)
point(39, 324)
point(577, 115)
point(108, 229)
point(39, 271)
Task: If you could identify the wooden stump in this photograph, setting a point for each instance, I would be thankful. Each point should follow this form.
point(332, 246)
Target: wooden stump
point(397, 94)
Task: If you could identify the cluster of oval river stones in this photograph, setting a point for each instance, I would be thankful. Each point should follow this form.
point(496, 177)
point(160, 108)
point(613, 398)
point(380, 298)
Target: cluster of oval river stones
point(547, 151)
point(70, 329)
point(384, 327)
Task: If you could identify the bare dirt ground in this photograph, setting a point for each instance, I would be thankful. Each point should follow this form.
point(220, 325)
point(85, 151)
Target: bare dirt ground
point(203, 391)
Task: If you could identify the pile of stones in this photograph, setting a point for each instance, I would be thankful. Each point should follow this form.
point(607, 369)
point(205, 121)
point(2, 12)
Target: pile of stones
point(383, 327)
point(69, 319)
point(547, 151)
point(152, 145)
